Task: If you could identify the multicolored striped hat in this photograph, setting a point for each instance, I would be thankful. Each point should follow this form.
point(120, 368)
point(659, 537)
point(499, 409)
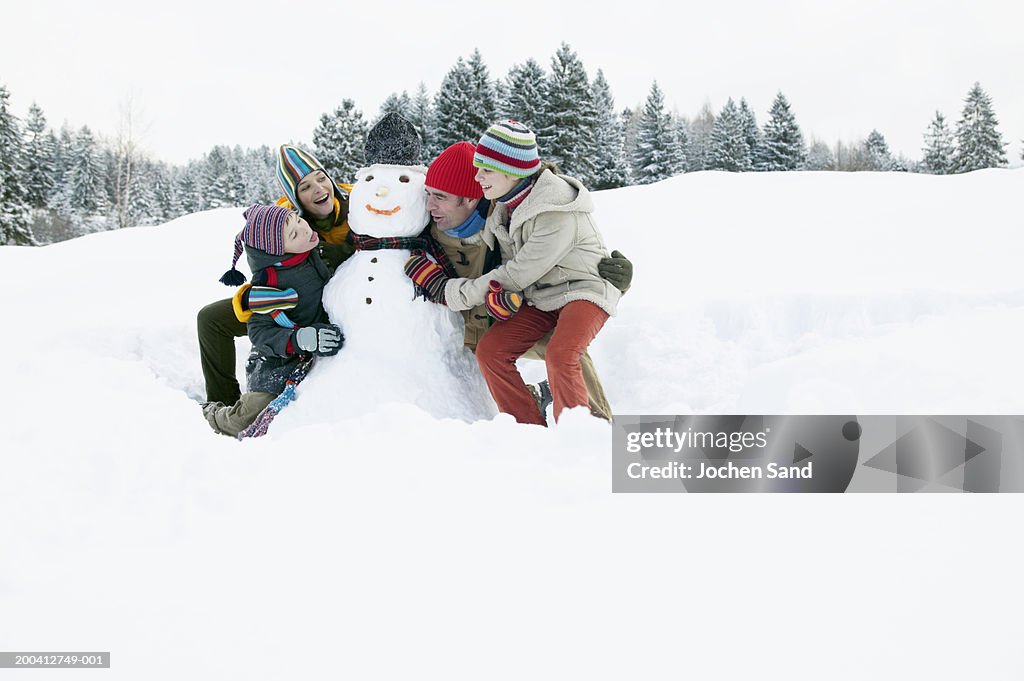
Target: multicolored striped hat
point(264, 229)
point(293, 164)
point(508, 147)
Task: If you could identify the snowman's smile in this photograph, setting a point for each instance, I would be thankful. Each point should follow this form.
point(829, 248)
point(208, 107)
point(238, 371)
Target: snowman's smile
point(378, 211)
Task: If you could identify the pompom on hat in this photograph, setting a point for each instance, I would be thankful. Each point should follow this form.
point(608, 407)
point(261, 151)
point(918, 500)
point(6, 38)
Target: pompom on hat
point(264, 229)
point(508, 147)
point(453, 172)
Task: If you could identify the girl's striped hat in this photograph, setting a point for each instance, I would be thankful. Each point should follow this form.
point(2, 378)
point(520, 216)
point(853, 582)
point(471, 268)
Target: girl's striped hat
point(293, 164)
point(508, 147)
point(264, 229)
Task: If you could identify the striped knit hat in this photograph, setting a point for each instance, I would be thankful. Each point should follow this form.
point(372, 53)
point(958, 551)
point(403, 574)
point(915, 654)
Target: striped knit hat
point(264, 229)
point(293, 164)
point(508, 147)
point(453, 172)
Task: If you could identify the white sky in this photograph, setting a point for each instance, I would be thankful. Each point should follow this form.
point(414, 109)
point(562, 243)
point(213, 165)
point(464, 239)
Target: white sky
point(210, 72)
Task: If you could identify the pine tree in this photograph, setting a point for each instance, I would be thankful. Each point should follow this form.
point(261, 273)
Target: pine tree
point(609, 161)
point(421, 116)
point(85, 194)
point(217, 182)
point(979, 143)
point(188, 194)
point(699, 135)
point(568, 128)
point(629, 120)
point(259, 175)
point(729, 149)
point(465, 105)
point(15, 228)
point(819, 156)
point(339, 141)
point(400, 104)
point(783, 146)
point(62, 150)
point(878, 152)
point(39, 171)
point(656, 156)
point(143, 207)
point(681, 130)
point(939, 152)
point(751, 133)
point(526, 96)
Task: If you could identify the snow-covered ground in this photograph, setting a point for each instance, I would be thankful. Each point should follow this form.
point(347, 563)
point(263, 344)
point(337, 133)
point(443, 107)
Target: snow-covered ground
point(396, 545)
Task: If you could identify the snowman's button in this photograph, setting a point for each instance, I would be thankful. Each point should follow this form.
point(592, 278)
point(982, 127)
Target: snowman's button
point(373, 259)
point(369, 278)
point(369, 300)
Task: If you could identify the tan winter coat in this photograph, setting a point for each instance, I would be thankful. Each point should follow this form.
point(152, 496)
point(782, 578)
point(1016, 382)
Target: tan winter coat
point(467, 257)
point(550, 251)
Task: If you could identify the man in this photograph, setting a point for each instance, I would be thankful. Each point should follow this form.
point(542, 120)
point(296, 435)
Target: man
point(458, 211)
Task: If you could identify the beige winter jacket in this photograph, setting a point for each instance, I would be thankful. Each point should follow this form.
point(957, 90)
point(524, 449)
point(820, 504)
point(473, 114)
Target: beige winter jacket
point(550, 251)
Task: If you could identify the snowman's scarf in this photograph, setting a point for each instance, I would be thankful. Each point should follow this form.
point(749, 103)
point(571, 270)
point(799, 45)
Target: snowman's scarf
point(417, 244)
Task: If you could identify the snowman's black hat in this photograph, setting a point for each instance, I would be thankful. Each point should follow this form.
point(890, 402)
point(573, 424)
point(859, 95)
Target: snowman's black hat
point(393, 141)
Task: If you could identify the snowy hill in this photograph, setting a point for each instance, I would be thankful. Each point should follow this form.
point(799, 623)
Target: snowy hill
point(397, 545)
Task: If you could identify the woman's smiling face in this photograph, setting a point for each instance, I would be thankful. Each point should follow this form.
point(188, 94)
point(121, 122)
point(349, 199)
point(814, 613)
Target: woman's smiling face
point(316, 194)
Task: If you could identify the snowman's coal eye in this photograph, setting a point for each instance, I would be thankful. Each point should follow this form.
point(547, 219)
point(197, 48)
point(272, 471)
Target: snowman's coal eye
point(368, 178)
point(403, 178)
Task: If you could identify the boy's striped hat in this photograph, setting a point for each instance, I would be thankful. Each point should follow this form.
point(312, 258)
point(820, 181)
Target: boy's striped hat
point(508, 147)
point(293, 164)
point(264, 229)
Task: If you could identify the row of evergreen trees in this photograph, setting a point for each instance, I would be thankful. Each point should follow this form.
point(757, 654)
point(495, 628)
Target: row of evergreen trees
point(56, 185)
point(59, 185)
point(579, 128)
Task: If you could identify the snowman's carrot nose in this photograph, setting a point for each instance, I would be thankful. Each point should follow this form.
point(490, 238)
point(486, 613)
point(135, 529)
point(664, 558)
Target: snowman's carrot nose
point(383, 212)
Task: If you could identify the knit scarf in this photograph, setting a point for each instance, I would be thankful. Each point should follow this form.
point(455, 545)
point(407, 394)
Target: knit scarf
point(473, 224)
point(268, 275)
point(416, 244)
point(518, 194)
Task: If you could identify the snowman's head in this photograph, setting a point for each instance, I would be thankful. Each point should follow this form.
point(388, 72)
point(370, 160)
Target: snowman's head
point(389, 200)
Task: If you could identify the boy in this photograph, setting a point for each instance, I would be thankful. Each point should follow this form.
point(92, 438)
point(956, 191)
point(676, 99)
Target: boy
point(289, 321)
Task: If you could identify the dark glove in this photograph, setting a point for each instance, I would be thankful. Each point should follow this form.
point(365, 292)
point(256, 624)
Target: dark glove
point(617, 270)
point(320, 339)
point(335, 254)
point(501, 304)
point(428, 276)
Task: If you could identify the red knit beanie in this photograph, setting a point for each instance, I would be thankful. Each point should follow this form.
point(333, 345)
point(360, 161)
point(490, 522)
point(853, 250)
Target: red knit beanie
point(453, 172)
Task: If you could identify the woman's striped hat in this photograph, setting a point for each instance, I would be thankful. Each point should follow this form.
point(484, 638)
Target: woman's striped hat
point(508, 147)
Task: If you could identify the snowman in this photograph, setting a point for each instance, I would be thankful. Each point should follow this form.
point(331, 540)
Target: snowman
point(399, 348)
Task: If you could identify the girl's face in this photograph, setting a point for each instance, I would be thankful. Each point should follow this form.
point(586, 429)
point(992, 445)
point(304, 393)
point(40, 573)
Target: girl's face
point(316, 194)
point(299, 237)
point(495, 184)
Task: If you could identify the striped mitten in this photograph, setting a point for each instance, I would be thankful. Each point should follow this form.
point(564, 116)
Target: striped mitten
point(428, 276)
point(501, 304)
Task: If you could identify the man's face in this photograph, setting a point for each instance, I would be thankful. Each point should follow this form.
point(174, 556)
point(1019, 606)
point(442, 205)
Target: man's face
point(449, 210)
point(299, 237)
point(316, 194)
point(495, 184)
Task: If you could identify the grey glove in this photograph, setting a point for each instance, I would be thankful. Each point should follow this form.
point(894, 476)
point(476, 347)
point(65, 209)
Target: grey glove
point(618, 270)
point(320, 339)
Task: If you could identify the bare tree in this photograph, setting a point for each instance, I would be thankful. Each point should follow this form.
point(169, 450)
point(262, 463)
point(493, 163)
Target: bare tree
point(131, 128)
